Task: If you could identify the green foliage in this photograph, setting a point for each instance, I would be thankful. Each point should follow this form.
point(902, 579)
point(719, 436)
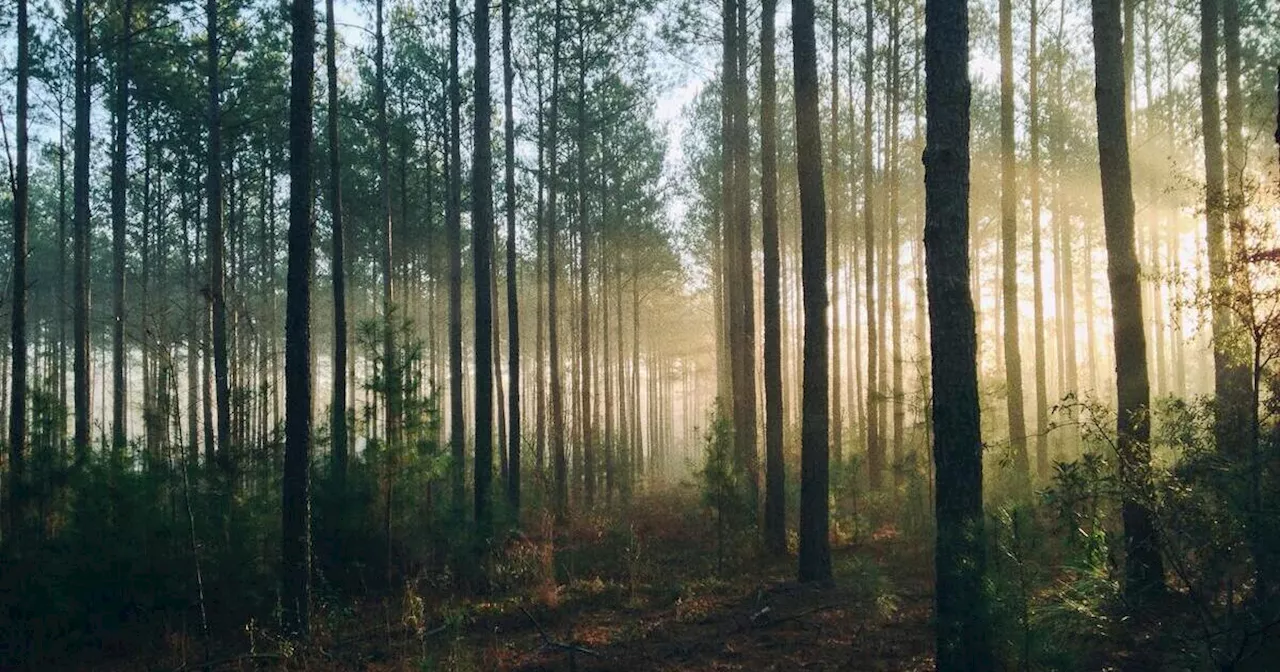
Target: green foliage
point(723, 491)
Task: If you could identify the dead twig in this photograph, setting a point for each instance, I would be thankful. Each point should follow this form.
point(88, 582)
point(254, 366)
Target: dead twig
point(549, 642)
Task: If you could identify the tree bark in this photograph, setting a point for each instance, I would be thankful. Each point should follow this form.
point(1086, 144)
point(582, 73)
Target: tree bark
point(119, 193)
point(1143, 569)
point(1228, 382)
point(1033, 111)
point(815, 548)
point(482, 255)
point(775, 515)
point(453, 226)
point(875, 448)
point(82, 233)
point(1009, 249)
point(963, 635)
point(561, 466)
point(338, 412)
point(16, 487)
point(513, 303)
point(217, 249)
point(835, 216)
point(296, 505)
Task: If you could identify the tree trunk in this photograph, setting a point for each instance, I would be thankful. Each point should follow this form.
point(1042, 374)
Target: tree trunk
point(513, 304)
point(453, 226)
point(587, 444)
point(481, 248)
point(217, 262)
point(82, 233)
point(775, 515)
point(1042, 401)
point(1228, 382)
point(835, 216)
point(875, 449)
point(338, 412)
point(390, 365)
point(296, 509)
point(16, 487)
point(1243, 392)
point(895, 243)
point(1009, 272)
point(815, 548)
point(119, 187)
point(963, 636)
point(561, 466)
point(1143, 570)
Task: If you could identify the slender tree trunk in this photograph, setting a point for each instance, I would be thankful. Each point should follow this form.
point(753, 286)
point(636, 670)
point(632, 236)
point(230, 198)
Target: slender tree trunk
point(217, 262)
point(482, 255)
point(587, 445)
point(875, 449)
point(895, 243)
point(1009, 269)
point(835, 217)
point(744, 347)
point(963, 635)
point(453, 226)
point(338, 412)
point(82, 233)
point(296, 509)
point(815, 548)
point(1230, 419)
point(513, 303)
point(16, 488)
point(561, 465)
point(1241, 402)
point(390, 366)
point(119, 188)
point(1042, 401)
point(540, 385)
point(775, 515)
point(1143, 569)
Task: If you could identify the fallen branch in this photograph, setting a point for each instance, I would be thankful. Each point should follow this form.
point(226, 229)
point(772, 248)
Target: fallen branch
point(548, 642)
point(759, 616)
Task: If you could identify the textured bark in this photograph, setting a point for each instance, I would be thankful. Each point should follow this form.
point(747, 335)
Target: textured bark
point(1143, 570)
point(81, 233)
point(482, 255)
point(119, 189)
point(835, 217)
point(895, 243)
point(1241, 403)
point(963, 635)
point(16, 487)
point(1228, 383)
point(775, 516)
point(585, 416)
point(1009, 249)
point(513, 304)
point(815, 548)
point(1037, 264)
point(560, 498)
point(217, 241)
point(875, 448)
point(296, 506)
point(453, 231)
point(338, 411)
point(390, 365)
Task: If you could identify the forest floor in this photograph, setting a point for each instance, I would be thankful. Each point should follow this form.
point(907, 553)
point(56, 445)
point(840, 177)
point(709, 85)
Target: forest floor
point(654, 594)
